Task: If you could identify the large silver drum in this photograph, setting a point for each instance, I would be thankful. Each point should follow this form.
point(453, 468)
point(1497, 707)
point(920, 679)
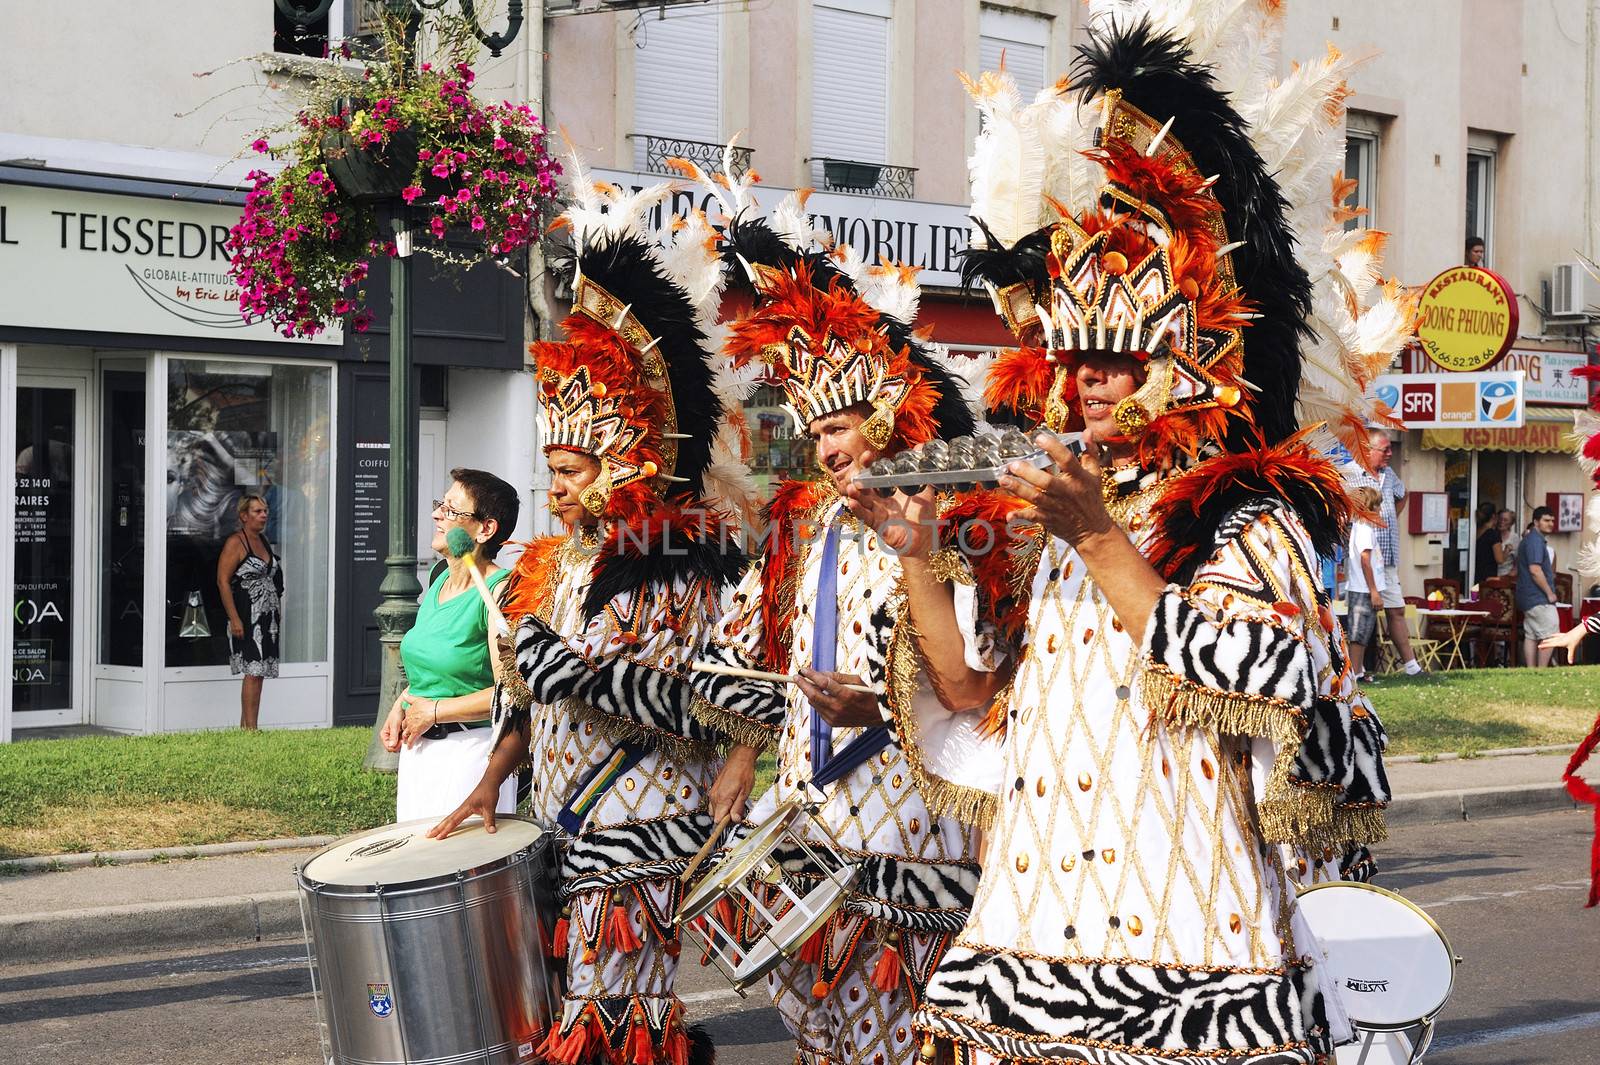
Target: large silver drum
point(433, 951)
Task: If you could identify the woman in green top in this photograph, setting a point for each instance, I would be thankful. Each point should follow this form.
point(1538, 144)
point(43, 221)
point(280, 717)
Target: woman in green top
point(440, 723)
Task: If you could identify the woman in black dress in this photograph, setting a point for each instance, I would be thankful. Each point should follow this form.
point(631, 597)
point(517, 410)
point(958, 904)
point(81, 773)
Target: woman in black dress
point(250, 581)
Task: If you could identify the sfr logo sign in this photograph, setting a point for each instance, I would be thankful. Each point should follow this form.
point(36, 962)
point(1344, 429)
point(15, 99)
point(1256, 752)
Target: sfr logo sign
point(1419, 402)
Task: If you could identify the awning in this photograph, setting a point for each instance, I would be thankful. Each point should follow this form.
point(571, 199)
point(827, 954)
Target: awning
point(1544, 431)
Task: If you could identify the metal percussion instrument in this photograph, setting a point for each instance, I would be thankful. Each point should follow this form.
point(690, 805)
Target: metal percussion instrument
point(1393, 966)
point(433, 951)
point(748, 914)
point(962, 463)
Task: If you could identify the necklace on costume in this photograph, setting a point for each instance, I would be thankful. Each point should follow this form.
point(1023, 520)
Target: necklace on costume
point(1128, 490)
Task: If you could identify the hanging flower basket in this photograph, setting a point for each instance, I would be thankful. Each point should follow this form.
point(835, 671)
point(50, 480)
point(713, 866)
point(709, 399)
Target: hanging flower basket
point(417, 136)
point(371, 175)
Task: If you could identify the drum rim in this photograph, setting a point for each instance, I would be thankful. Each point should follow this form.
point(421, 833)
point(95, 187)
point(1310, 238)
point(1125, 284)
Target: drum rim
point(1449, 951)
point(727, 873)
point(780, 955)
point(314, 885)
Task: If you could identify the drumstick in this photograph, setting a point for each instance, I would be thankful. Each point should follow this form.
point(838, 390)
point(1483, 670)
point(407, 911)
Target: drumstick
point(756, 674)
point(699, 859)
point(459, 544)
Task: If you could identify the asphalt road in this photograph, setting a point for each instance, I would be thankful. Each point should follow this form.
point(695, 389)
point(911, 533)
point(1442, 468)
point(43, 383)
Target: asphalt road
point(1508, 892)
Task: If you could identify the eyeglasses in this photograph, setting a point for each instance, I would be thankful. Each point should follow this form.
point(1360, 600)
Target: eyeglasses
point(451, 513)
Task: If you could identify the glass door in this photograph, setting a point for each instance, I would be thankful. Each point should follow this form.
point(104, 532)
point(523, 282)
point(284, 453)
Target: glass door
point(48, 610)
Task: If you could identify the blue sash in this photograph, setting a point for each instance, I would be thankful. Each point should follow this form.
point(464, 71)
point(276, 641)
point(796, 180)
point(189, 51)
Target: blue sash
point(827, 767)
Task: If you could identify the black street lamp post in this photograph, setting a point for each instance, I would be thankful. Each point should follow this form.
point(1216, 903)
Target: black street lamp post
point(397, 611)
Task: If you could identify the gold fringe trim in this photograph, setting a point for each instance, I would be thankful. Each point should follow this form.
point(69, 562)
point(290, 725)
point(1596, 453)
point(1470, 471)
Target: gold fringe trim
point(739, 729)
point(675, 748)
point(972, 806)
point(1360, 826)
point(1180, 701)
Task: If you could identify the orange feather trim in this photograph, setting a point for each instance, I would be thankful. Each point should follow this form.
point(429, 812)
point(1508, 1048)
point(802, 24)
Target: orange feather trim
point(533, 578)
point(792, 504)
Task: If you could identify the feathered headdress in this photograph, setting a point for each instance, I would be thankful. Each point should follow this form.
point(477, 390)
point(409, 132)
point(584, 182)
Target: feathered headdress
point(1213, 246)
point(634, 383)
point(835, 331)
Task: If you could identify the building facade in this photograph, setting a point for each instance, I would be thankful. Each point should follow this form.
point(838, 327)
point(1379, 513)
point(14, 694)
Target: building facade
point(1468, 118)
point(138, 407)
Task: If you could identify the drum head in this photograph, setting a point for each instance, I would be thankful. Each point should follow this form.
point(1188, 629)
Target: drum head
point(1392, 963)
point(402, 853)
point(737, 864)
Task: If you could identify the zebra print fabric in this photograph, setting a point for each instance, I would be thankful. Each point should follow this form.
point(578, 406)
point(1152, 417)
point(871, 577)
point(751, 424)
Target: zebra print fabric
point(1242, 655)
point(614, 686)
point(1116, 1013)
point(624, 854)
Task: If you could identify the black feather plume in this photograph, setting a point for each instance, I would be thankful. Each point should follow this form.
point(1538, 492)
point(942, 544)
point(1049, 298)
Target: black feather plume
point(1022, 263)
point(627, 268)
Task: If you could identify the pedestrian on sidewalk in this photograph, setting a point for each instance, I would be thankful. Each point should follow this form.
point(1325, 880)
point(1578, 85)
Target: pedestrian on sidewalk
point(1364, 582)
point(249, 576)
point(1536, 588)
point(440, 722)
point(1390, 491)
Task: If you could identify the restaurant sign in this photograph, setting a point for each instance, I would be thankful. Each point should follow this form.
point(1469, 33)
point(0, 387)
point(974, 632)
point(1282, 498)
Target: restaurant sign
point(1466, 319)
point(1549, 380)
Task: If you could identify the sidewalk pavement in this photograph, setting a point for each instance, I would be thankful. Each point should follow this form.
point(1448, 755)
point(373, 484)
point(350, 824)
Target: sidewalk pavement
point(235, 898)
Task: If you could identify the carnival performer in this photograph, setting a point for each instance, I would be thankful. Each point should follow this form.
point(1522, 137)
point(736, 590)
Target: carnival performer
point(641, 435)
point(823, 601)
point(1182, 729)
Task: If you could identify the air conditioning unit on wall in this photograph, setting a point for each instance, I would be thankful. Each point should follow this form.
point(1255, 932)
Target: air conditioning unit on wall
point(1574, 291)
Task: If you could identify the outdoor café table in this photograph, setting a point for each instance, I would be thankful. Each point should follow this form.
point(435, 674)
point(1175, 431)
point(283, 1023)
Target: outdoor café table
point(1455, 622)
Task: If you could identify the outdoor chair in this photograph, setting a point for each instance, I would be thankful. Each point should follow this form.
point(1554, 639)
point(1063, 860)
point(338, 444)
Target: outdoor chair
point(1500, 625)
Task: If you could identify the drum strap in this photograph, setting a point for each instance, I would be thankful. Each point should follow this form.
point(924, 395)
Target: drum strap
point(825, 644)
point(622, 758)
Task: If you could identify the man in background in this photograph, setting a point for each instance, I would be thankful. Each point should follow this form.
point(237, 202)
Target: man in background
point(1475, 251)
point(1536, 588)
point(1390, 491)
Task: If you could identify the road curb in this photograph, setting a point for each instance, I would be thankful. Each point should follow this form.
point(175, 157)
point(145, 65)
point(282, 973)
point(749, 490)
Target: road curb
point(1471, 804)
point(149, 926)
point(1499, 752)
point(47, 863)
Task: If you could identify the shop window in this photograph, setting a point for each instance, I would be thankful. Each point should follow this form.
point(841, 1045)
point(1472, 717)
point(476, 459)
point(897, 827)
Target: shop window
point(237, 429)
point(778, 451)
point(1361, 166)
point(45, 622)
point(1480, 199)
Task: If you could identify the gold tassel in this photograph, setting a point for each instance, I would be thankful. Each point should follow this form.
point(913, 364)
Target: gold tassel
point(675, 748)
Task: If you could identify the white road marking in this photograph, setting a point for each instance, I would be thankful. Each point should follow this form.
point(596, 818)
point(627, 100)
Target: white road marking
point(1518, 1031)
point(708, 996)
point(1485, 896)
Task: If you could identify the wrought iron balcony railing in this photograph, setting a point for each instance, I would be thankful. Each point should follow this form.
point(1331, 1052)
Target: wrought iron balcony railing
point(650, 153)
point(866, 179)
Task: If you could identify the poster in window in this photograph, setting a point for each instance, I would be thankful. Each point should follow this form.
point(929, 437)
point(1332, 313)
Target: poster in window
point(1568, 508)
point(207, 474)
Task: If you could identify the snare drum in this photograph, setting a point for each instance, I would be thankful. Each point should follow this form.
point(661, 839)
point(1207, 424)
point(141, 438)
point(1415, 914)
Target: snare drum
point(432, 951)
point(747, 915)
point(1392, 963)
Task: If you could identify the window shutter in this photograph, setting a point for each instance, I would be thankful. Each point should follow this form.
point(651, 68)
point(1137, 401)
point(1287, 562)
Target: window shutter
point(677, 77)
point(1024, 39)
point(849, 84)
